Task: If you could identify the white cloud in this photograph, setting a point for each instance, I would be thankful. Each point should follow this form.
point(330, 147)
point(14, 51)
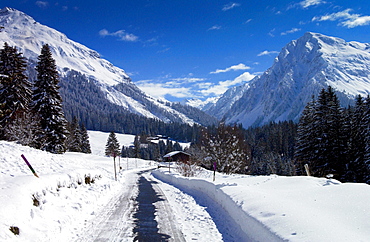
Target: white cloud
point(231, 68)
point(204, 85)
point(266, 52)
point(215, 27)
point(121, 34)
point(160, 90)
point(293, 30)
point(271, 33)
point(230, 6)
point(222, 86)
point(358, 21)
point(309, 3)
point(248, 21)
point(334, 16)
point(346, 18)
point(189, 79)
point(42, 4)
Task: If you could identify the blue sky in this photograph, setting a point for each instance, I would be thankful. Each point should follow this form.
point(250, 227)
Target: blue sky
point(195, 48)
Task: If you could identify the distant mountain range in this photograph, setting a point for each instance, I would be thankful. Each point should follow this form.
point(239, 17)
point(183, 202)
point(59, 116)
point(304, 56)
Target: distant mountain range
point(89, 84)
point(303, 67)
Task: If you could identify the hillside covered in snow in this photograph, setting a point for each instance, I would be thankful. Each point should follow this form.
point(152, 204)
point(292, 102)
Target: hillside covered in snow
point(90, 84)
point(303, 67)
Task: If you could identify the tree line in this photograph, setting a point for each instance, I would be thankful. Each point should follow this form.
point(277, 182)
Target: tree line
point(143, 147)
point(32, 113)
point(333, 140)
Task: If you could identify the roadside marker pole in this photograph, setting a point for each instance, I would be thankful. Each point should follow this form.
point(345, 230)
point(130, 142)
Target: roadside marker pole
point(114, 163)
point(214, 170)
point(307, 169)
point(29, 165)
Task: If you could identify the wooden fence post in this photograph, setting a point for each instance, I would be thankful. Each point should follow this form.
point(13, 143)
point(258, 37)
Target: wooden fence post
point(307, 169)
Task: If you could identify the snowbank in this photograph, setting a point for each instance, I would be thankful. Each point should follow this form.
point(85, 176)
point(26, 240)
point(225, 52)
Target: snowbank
point(268, 208)
point(59, 204)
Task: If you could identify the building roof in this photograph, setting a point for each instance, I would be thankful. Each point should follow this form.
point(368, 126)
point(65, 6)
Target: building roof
point(175, 153)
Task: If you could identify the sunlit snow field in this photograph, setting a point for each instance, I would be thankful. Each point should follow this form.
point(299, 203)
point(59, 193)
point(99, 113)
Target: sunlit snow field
point(292, 208)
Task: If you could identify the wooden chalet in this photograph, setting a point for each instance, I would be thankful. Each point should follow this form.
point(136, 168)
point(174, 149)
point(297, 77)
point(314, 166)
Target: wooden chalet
point(176, 156)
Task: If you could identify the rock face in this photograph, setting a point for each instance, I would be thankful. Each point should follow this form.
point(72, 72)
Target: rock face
point(302, 69)
point(76, 61)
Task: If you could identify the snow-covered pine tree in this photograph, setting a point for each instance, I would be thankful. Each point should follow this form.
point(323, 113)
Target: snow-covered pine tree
point(15, 95)
point(85, 143)
point(47, 103)
point(112, 148)
point(74, 139)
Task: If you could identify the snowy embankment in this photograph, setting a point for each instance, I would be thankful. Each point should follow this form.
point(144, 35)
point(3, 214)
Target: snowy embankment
point(268, 208)
point(61, 203)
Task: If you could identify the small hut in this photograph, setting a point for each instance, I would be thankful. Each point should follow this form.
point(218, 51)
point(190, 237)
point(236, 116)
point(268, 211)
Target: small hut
point(177, 156)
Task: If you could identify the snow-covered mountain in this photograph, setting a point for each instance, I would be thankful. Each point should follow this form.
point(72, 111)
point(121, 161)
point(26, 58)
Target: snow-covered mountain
point(302, 69)
point(200, 104)
point(76, 61)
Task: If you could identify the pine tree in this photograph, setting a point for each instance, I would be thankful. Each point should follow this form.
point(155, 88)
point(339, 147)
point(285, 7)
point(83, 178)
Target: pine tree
point(357, 142)
point(137, 146)
point(161, 148)
point(15, 95)
point(169, 146)
point(112, 148)
point(74, 138)
point(322, 141)
point(366, 171)
point(177, 146)
point(305, 137)
point(47, 103)
point(85, 143)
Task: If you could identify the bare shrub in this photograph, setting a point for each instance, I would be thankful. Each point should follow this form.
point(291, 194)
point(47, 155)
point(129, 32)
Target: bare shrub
point(14, 229)
point(35, 200)
point(188, 169)
point(88, 179)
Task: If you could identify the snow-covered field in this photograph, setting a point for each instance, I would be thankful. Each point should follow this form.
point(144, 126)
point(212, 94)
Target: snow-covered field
point(264, 207)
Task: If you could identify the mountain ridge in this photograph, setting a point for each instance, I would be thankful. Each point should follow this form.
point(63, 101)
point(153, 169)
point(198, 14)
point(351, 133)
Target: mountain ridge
point(20, 30)
point(302, 68)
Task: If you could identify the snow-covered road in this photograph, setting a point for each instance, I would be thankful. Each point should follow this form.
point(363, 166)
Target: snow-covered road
point(148, 209)
point(154, 220)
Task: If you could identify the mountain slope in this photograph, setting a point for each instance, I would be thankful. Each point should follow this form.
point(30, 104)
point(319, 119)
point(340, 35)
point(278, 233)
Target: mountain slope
point(22, 31)
point(302, 69)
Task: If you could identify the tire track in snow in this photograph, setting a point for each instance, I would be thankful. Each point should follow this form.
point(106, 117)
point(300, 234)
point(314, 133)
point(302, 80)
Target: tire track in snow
point(164, 215)
point(114, 222)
